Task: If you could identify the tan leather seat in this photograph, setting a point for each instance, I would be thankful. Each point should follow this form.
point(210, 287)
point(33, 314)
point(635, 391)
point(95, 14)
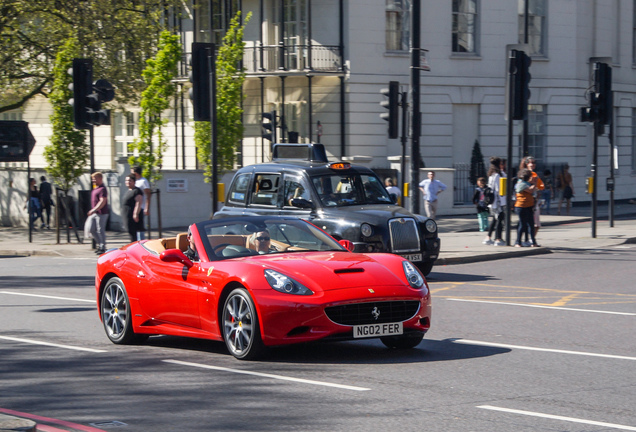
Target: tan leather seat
point(182, 242)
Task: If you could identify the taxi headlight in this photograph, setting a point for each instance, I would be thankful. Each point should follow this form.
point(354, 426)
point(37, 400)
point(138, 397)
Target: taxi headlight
point(366, 230)
point(412, 275)
point(430, 226)
point(285, 284)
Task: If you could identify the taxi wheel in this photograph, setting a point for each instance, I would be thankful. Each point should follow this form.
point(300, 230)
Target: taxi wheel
point(241, 331)
point(116, 314)
point(425, 267)
point(402, 342)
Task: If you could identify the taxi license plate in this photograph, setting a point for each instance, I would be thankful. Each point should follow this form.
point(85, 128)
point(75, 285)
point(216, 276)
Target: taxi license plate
point(412, 257)
point(375, 330)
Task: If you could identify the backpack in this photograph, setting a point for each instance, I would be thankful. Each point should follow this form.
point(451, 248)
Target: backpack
point(489, 195)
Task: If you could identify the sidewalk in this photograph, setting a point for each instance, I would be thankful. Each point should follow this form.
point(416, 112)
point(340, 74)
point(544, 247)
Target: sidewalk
point(461, 240)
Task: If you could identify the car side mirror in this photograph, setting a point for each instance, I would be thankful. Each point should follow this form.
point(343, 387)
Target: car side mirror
point(348, 244)
point(302, 203)
point(175, 255)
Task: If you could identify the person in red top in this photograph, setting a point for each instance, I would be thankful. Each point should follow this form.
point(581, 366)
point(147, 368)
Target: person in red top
point(530, 163)
point(100, 211)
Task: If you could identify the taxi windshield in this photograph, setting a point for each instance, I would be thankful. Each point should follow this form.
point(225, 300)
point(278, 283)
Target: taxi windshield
point(344, 189)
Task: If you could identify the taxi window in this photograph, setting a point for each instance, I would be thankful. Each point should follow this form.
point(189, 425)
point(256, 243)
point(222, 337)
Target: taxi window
point(295, 188)
point(265, 189)
point(238, 191)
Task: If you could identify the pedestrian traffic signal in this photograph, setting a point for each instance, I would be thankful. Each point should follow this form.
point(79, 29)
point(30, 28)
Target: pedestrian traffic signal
point(520, 69)
point(201, 61)
point(88, 96)
point(269, 126)
point(392, 104)
point(82, 73)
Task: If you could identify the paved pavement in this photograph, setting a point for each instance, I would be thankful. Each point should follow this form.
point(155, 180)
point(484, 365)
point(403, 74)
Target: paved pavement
point(461, 239)
point(461, 243)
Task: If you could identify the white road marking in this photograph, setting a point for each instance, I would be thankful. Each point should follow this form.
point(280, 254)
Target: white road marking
point(498, 345)
point(556, 417)
point(266, 375)
point(35, 342)
point(49, 297)
point(542, 307)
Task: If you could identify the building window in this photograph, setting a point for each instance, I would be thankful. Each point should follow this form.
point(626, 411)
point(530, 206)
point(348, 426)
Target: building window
point(11, 115)
point(634, 33)
point(222, 12)
point(126, 130)
point(536, 133)
point(465, 26)
point(536, 25)
point(398, 19)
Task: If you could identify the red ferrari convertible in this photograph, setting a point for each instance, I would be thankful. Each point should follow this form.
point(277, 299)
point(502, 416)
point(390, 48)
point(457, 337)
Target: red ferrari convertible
point(257, 282)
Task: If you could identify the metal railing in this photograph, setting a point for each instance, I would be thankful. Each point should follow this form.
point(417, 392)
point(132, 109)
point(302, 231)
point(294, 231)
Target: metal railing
point(463, 193)
point(266, 58)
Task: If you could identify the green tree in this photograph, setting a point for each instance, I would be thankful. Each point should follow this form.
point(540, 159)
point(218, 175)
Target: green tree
point(119, 35)
point(155, 99)
point(229, 97)
point(477, 167)
point(67, 154)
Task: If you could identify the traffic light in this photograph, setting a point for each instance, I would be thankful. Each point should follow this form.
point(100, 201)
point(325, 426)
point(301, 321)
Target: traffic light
point(520, 69)
point(82, 73)
point(603, 88)
point(392, 104)
point(200, 79)
point(88, 96)
point(269, 126)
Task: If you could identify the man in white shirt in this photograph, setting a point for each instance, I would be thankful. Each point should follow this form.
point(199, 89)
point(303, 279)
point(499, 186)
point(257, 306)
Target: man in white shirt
point(143, 184)
point(431, 188)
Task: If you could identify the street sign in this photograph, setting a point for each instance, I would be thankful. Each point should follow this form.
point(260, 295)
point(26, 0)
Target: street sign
point(16, 141)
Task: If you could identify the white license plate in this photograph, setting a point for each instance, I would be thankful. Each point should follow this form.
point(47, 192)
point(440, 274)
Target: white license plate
point(375, 330)
point(412, 257)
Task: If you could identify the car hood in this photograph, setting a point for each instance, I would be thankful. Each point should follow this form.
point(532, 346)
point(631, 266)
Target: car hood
point(335, 270)
point(376, 214)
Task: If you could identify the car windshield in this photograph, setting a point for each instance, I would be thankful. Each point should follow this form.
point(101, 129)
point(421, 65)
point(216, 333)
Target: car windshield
point(238, 237)
point(342, 189)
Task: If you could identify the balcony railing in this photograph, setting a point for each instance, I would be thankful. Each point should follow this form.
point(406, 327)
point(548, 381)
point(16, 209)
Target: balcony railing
point(266, 58)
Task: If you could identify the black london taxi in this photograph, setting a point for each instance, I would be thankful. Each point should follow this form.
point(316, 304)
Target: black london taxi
point(347, 201)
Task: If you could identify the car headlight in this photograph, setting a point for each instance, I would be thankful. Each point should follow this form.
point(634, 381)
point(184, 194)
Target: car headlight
point(430, 226)
point(412, 275)
point(285, 284)
point(366, 230)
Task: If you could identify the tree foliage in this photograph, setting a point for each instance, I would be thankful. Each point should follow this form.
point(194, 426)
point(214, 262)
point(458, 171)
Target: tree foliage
point(477, 166)
point(155, 99)
point(119, 35)
point(67, 153)
point(229, 96)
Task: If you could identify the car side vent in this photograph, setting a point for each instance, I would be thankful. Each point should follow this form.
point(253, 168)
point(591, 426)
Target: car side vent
point(348, 270)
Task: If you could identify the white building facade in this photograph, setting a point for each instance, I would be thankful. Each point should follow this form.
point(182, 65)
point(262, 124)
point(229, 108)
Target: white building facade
point(321, 64)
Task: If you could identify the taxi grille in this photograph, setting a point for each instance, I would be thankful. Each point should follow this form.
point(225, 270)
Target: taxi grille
point(404, 235)
point(366, 313)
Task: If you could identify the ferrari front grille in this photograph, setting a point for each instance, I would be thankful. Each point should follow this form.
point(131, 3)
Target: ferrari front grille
point(373, 312)
point(405, 236)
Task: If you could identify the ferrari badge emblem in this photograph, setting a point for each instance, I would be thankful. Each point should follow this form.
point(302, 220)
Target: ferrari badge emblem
point(376, 313)
point(210, 270)
point(371, 290)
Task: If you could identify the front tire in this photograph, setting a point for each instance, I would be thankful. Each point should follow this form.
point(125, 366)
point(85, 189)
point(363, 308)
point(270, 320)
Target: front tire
point(425, 267)
point(116, 313)
point(241, 331)
point(403, 342)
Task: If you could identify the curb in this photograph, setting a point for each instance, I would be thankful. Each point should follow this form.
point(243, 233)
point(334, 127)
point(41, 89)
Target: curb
point(14, 424)
point(515, 253)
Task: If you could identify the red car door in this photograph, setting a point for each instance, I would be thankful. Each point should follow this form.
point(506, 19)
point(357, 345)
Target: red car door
point(168, 293)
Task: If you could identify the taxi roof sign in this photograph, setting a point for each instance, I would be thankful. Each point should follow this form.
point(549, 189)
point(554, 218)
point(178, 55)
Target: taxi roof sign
point(339, 165)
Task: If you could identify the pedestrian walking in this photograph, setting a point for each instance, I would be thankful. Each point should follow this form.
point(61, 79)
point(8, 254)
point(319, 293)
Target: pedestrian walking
point(481, 198)
point(566, 188)
point(548, 192)
point(46, 200)
point(498, 206)
point(524, 203)
point(132, 205)
point(431, 188)
point(142, 183)
point(32, 204)
point(99, 212)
